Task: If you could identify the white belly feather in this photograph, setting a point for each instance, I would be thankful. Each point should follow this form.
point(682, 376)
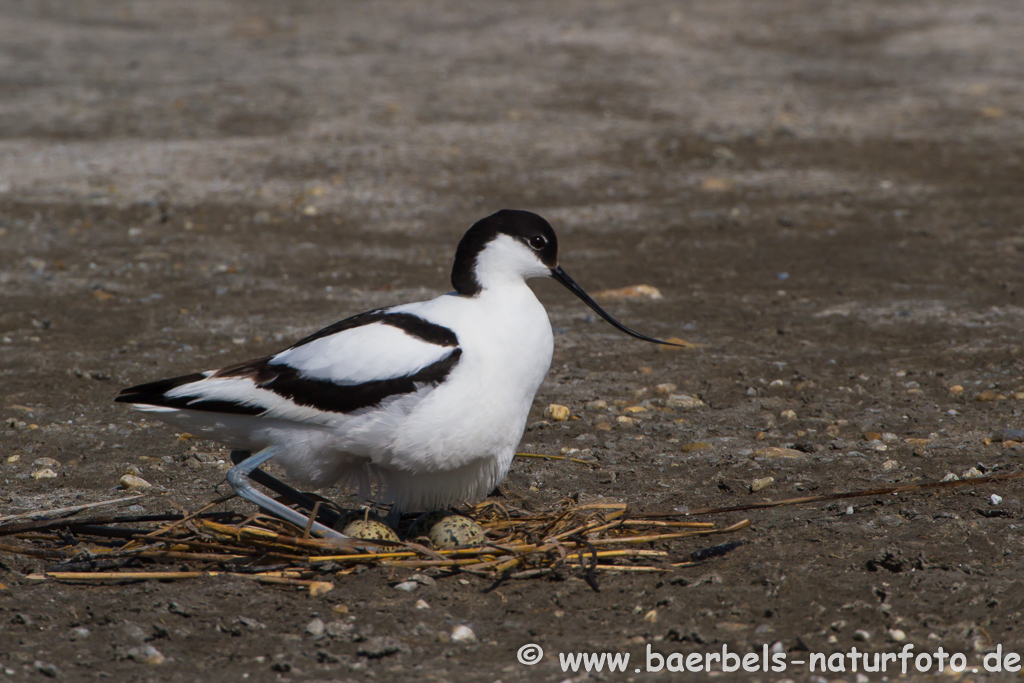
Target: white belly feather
point(443, 445)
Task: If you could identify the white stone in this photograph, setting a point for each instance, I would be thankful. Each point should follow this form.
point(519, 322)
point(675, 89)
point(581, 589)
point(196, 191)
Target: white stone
point(315, 627)
point(463, 634)
point(683, 402)
point(132, 482)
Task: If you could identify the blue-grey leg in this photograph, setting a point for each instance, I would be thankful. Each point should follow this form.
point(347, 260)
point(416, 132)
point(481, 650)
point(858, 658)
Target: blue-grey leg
point(282, 489)
point(238, 478)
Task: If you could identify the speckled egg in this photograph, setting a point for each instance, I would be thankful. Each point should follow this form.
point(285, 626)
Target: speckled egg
point(447, 530)
point(368, 527)
point(421, 526)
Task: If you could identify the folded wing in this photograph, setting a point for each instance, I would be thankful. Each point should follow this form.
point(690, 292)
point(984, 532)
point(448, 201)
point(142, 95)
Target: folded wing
point(352, 365)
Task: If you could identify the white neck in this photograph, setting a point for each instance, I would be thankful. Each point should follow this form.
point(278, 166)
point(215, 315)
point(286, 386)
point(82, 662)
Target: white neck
point(507, 262)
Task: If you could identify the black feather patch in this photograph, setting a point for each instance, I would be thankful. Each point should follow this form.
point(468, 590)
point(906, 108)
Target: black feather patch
point(155, 394)
point(287, 382)
point(412, 325)
point(527, 227)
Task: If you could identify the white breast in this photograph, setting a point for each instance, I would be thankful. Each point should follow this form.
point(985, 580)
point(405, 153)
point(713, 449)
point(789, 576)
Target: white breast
point(480, 411)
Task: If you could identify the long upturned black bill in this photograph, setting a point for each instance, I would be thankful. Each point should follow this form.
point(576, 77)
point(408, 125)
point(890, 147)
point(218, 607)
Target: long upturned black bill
point(560, 275)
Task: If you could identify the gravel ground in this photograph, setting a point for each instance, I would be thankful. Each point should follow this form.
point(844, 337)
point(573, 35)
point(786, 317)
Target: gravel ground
point(827, 194)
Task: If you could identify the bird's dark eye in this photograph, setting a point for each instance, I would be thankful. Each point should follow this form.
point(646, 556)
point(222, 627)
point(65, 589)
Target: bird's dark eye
point(538, 242)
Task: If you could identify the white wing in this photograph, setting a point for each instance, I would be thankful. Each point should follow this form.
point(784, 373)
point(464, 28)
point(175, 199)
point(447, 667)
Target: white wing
point(368, 353)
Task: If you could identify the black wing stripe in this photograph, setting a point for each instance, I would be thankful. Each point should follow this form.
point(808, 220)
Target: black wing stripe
point(285, 381)
point(413, 325)
point(341, 398)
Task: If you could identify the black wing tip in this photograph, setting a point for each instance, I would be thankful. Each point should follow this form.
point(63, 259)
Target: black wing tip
point(155, 394)
point(152, 393)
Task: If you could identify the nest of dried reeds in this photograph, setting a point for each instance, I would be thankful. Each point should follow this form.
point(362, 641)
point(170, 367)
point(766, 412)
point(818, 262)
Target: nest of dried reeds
point(570, 537)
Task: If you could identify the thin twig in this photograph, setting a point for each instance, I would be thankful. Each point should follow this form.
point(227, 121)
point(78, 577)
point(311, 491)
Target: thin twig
point(557, 457)
point(63, 512)
point(1006, 476)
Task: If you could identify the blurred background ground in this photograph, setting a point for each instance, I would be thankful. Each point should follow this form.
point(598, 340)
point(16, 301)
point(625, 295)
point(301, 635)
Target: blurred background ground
point(827, 194)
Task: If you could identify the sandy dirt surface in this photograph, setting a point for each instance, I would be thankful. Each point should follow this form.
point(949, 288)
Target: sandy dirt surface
point(828, 195)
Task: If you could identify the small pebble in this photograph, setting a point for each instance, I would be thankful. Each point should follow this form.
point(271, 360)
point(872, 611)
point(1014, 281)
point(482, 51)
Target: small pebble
point(422, 604)
point(788, 414)
point(318, 588)
point(602, 427)
point(48, 670)
point(950, 477)
point(889, 465)
point(761, 484)
point(338, 628)
point(146, 654)
point(694, 446)
point(597, 404)
point(683, 402)
point(989, 395)
point(861, 635)
point(463, 634)
point(972, 473)
point(315, 627)
point(731, 626)
point(897, 635)
point(557, 412)
point(651, 617)
point(250, 623)
point(134, 483)
point(13, 458)
point(46, 462)
point(995, 499)
point(777, 452)
point(378, 647)
point(80, 633)
point(665, 389)
point(423, 579)
point(631, 292)
point(1009, 435)
point(627, 421)
point(407, 586)
point(889, 437)
point(956, 390)
point(46, 473)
